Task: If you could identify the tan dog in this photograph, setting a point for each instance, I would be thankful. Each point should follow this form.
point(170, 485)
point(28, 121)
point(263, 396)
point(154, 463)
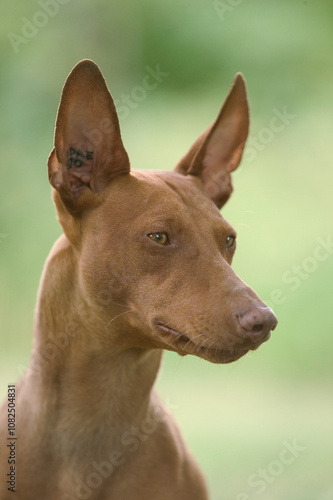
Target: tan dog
point(143, 265)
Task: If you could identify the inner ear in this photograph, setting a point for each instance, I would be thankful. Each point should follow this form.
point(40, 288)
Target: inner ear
point(88, 147)
point(218, 151)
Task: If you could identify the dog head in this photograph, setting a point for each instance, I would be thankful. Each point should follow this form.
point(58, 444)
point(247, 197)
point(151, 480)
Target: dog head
point(154, 253)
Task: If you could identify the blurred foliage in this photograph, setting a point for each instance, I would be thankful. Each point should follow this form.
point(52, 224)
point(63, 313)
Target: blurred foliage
point(282, 202)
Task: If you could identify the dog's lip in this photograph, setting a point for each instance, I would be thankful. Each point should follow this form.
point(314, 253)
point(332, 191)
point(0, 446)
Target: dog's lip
point(260, 341)
point(182, 344)
point(177, 335)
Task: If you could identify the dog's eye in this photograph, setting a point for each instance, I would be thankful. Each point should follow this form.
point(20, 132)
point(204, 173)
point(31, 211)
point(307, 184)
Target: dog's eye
point(230, 241)
point(160, 238)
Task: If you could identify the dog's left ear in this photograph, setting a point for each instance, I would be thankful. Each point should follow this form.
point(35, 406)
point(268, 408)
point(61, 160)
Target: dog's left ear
point(88, 150)
point(218, 151)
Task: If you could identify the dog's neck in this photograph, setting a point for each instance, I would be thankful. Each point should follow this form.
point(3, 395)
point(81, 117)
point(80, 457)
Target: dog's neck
point(80, 372)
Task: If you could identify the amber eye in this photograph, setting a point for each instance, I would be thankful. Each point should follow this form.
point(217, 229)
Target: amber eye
point(229, 242)
point(160, 238)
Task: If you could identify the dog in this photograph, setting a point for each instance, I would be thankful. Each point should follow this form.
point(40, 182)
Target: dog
point(144, 265)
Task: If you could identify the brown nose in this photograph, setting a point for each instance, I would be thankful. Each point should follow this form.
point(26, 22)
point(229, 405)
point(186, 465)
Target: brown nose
point(257, 322)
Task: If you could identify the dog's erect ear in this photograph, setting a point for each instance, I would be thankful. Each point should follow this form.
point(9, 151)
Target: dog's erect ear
point(218, 151)
point(88, 150)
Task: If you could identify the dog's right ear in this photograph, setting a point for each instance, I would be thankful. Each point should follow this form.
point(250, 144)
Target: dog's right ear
point(88, 150)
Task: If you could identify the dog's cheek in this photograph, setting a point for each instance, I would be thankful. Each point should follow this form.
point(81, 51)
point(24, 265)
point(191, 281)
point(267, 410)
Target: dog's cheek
point(103, 283)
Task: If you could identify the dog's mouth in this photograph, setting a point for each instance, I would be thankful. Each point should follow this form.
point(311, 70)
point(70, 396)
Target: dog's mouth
point(203, 348)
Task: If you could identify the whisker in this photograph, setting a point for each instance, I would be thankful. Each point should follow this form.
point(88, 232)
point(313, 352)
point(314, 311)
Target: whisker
point(121, 314)
point(192, 340)
point(202, 344)
point(176, 338)
point(211, 347)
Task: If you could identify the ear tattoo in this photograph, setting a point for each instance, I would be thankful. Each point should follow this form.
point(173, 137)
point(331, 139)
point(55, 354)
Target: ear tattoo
point(76, 157)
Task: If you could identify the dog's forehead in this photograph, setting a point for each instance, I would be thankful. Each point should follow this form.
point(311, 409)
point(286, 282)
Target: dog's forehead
point(144, 196)
point(174, 188)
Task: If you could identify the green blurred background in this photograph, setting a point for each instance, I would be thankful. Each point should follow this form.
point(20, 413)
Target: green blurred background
point(238, 418)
